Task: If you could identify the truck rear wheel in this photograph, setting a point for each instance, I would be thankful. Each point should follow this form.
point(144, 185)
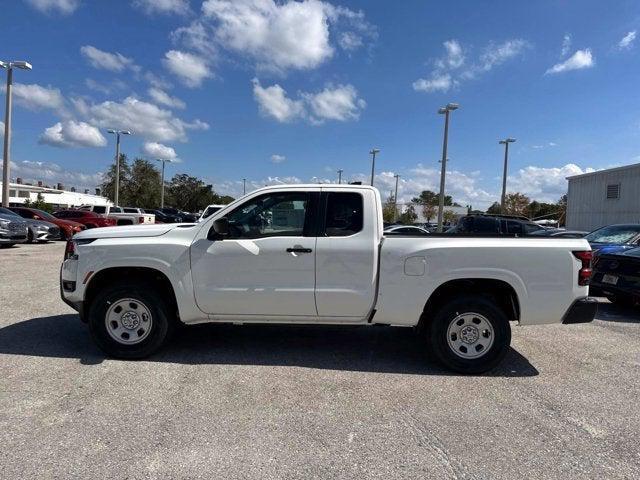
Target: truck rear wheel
point(469, 334)
point(129, 320)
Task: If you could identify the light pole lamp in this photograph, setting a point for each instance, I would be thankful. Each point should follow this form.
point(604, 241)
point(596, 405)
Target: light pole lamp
point(449, 107)
point(373, 152)
point(340, 176)
point(506, 143)
point(395, 199)
point(117, 133)
point(9, 66)
point(163, 161)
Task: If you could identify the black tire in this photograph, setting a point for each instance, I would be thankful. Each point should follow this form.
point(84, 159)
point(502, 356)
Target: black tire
point(162, 323)
point(622, 300)
point(6, 245)
point(29, 236)
point(438, 341)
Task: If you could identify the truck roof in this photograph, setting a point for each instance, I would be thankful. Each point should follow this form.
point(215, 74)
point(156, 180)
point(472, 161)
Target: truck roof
point(288, 186)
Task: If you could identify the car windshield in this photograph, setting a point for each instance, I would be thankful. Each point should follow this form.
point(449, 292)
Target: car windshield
point(615, 234)
point(6, 211)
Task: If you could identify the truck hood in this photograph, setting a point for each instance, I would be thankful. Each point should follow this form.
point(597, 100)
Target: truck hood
point(128, 231)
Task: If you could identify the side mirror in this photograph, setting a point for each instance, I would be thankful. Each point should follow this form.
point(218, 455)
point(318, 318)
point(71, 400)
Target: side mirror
point(219, 229)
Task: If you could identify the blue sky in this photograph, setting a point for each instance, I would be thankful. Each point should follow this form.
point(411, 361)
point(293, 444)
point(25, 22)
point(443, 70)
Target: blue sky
point(288, 92)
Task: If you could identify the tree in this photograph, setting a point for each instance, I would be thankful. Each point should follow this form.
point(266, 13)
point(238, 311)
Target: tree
point(448, 217)
point(516, 204)
point(427, 197)
point(190, 193)
point(39, 204)
point(109, 181)
point(428, 212)
point(389, 209)
point(494, 209)
point(142, 188)
point(409, 216)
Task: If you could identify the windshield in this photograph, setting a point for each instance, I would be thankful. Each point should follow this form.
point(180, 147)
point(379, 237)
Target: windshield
point(44, 214)
point(6, 211)
point(616, 234)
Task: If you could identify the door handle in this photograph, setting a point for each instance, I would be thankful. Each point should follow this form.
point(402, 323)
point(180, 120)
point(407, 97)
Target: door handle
point(299, 250)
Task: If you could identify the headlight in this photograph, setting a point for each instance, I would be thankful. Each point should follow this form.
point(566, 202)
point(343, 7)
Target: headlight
point(4, 224)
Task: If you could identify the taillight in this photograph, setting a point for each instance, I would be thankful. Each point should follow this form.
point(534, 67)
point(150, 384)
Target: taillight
point(69, 250)
point(140, 219)
point(584, 275)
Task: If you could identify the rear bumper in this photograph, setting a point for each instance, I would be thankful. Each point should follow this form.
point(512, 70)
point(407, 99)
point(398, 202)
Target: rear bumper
point(582, 311)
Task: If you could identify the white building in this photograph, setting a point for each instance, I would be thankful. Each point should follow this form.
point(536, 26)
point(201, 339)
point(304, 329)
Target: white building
point(57, 197)
point(604, 197)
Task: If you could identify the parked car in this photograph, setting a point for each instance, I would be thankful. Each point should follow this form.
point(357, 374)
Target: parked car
point(68, 228)
point(118, 213)
point(614, 238)
point(559, 233)
point(86, 218)
point(39, 230)
point(405, 230)
point(210, 210)
point(495, 224)
point(162, 217)
point(315, 254)
point(616, 275)
point(184, 216)
point(12, 230)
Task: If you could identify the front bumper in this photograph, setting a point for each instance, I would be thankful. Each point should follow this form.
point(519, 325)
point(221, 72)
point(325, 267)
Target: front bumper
point(12, 237)
point(78, 306)
point(582, 311)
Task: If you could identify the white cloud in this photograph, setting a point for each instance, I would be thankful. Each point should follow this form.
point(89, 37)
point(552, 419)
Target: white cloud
point(163, 98)
point(37, 97)
point(145, 119)
point(545, 184)
point(279, 36)
point(541, 146)
point(627, 41)
point(579, 60)
point(53, 173)
point(191, 69)
point(72, 134)
point(178, 7)
point(275, 158)
point(64, 7)
point(566, 45)
point(340, 103)
point(273, 102)
point(159, 151)
point(454, 67)
point(114, 62)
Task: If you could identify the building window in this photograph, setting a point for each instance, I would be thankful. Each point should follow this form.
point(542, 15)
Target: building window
point(12, 193)
point(23, 194)
point(613, 191)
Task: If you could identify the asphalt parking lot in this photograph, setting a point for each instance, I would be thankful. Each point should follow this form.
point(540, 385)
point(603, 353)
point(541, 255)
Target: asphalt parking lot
point(306, 402)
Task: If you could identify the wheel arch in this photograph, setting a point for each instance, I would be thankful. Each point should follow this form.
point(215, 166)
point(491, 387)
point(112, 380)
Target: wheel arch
point(499, 291)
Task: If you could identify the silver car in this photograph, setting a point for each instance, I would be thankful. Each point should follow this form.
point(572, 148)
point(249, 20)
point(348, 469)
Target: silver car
point(38, 230)
point(12, 230)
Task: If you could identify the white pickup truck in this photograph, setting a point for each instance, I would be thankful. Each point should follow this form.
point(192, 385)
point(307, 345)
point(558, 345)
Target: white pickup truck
point(122, 216)
point(316, 254)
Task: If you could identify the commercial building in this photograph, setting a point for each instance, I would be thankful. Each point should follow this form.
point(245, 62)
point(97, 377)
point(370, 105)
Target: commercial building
point(604, 197)
point(58, 197)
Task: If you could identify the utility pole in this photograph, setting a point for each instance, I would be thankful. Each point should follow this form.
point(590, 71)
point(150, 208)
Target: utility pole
point(244, 186)
point(395, 200)
point(506, 143)
point(340, 176)
point(117, 133)
point(444, 110)
point(6, 163)
point(162, 181)
point(373, 153)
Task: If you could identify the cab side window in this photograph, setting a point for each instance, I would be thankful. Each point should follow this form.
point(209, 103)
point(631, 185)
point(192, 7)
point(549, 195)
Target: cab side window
point(344, 214)
point(270, 215)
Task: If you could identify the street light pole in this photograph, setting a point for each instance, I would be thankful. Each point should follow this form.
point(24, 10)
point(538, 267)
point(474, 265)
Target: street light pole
point(373, 153)
point(244, 186)
point(6, 163)
point(117, 133)
point(444, 110)
point(340, 176)
point(506, 143)
point(162, 180)
point(395, 200)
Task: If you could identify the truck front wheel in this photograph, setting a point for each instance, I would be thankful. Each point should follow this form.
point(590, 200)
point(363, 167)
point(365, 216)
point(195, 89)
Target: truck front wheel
point(469, 334)
point(129, 320)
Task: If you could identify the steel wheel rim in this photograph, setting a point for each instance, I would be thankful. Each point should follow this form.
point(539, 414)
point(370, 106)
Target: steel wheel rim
point(128, 321)
point(470, 335)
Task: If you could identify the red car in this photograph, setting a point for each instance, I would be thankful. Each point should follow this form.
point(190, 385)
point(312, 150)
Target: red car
point(88, 219)
point(68, 227)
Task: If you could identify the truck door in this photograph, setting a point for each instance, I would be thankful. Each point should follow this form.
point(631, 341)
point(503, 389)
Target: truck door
point(346, 254)
point(265, 266)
